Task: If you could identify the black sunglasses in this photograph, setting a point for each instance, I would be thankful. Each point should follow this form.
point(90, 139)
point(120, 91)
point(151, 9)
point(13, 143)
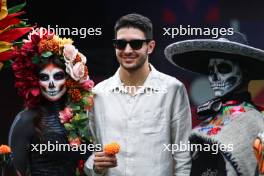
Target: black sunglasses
point(134, 44)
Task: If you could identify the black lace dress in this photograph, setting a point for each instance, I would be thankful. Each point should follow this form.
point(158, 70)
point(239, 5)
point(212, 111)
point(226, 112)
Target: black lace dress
point(26, 141)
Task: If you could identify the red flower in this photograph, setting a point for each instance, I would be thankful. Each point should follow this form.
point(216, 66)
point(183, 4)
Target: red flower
point(75, 141)
point(80, 167)
point(87, 84)
point(26, 80)
point(66, 115)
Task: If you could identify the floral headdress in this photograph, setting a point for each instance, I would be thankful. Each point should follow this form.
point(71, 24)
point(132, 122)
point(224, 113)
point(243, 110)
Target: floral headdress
point(41, 44)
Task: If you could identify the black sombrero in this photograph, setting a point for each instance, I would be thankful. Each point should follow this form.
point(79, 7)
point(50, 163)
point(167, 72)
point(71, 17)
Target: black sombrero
point(194, 55)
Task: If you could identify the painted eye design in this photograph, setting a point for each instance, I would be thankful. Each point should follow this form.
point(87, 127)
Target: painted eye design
point(59, 75)
point(43, 77)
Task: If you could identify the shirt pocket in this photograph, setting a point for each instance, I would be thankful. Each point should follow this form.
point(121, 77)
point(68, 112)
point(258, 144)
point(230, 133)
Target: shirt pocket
point(153, 121)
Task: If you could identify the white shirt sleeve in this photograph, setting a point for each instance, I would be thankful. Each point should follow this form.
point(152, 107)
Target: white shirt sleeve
point(181, 125)
point(88, 167)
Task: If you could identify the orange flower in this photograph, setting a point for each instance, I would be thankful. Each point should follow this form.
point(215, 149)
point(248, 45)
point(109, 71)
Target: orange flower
point(90, 103)
point(49, 45)
point(75, 94)
point(5, 149)
point(85, 72)
point(112, 148)
point(72, 84)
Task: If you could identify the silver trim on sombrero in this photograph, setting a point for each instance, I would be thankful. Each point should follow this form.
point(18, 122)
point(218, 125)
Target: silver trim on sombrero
point(220, 45)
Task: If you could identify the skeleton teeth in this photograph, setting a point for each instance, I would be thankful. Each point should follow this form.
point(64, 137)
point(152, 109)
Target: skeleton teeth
point(52, 93)
point(218, 84)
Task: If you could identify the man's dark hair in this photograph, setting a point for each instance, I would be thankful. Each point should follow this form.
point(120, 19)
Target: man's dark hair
point(135, 21)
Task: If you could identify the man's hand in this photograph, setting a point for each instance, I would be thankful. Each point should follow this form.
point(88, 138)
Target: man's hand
point(103, 161)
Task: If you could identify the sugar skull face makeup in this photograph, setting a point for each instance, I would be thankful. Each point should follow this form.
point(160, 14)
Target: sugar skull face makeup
point(52, 82)
point(224, 76)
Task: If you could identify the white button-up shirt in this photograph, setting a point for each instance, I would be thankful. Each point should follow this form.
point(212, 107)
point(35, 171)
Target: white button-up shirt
point(145, 125)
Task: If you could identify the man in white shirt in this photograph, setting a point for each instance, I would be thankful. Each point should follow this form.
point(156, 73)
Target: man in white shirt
point(145, 111)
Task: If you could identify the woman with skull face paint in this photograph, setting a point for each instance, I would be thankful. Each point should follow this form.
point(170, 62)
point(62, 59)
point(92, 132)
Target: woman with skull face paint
point(37, 131)
point(52, 81)
point(222, 144)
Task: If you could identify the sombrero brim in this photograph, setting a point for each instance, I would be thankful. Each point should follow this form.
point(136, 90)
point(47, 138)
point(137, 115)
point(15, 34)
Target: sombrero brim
point(194, 55)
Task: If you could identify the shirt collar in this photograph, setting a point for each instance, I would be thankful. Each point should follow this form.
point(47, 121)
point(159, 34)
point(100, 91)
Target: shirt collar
point(150, 83)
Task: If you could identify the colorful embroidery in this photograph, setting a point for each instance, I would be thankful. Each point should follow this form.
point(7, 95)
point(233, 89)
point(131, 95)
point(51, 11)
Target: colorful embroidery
point(214, 131)
point(226, 109)
point(237, 110)
point(206, 128)
point(227, 114)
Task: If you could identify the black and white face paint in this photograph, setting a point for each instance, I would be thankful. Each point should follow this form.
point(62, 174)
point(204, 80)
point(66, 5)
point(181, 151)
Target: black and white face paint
point(52, 82)
point(224, 76)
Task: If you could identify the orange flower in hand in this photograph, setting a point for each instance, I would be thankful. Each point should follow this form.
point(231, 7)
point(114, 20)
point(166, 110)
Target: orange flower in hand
point(112, 148)
point(5, 149)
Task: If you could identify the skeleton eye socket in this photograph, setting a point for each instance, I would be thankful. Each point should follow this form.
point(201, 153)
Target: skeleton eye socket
point(59, 76)
point(43, 77)
point(224, 68)
point(211, 70)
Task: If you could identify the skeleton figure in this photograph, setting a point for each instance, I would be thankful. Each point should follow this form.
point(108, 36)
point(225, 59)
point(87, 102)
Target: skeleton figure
point(52, 82)
point(224, 76)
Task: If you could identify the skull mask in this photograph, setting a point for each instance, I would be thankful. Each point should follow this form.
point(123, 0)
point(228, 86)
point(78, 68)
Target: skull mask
point(52, 82)
point(224, 76)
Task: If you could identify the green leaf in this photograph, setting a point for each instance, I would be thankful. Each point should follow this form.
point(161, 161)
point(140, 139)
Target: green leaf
point(23, 24)
point(7, 64)
point(84, 132)
point(35, 59)
point(19, 44)
point(77, 173)
point(72, 135)
point(83, 121)
point(16, 8)
point(84, 101)
point(83, 116)
point(75, 107)
point(46, 54)
point(68, 127)
point(79, 122)
point(86, 93)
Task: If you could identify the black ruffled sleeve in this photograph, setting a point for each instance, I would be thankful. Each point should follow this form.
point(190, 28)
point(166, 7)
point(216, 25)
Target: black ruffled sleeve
point(20, 136)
